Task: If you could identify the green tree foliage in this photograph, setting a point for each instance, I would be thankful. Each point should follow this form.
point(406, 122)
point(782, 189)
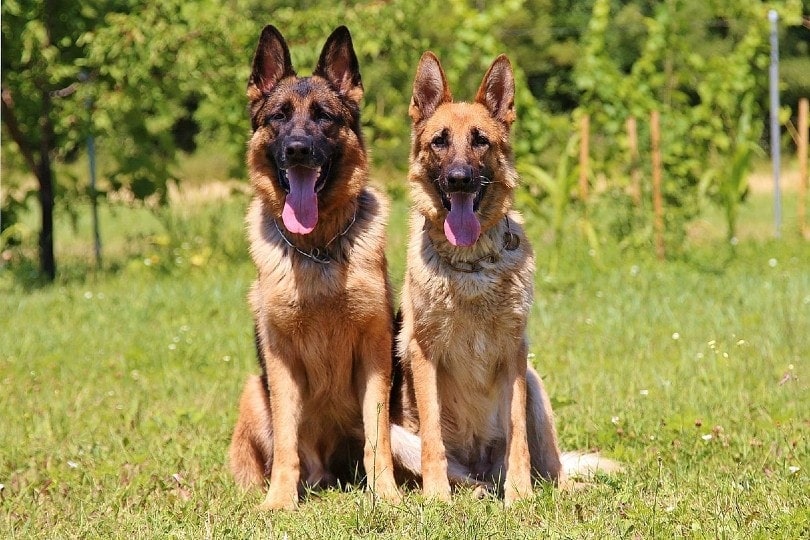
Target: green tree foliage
point(40, 113)
point(138, 76)
point(704, 67)
point(162, 73)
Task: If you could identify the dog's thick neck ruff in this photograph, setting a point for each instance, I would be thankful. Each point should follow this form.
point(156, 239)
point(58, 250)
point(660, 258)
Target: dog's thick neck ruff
point(510, 242)
point(317, 254)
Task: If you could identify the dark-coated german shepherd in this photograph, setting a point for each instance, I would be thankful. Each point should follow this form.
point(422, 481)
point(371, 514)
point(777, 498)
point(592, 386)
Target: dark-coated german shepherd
point(322, 302)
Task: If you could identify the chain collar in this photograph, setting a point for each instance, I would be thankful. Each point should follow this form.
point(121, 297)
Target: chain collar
point(511, 242)
point(318, 254)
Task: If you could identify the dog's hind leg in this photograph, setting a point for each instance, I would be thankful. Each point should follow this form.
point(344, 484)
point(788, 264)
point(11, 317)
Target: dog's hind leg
point(317, 476)
point(542, 433)
point(251, 452)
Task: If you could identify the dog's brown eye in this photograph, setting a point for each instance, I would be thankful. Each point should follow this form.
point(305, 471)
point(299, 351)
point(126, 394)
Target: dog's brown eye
point(439, 141)
point(480, 140)
point(278, 116)
point(320, 115)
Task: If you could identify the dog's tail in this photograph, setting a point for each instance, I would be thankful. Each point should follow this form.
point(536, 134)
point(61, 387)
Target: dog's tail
point(406, 450)
point(583, 466)
point(250, 455)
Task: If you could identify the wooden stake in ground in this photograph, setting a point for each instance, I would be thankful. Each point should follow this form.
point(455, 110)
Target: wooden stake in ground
point(658, 201)
point(635, 173)
point(803, 180)
point(584, 150)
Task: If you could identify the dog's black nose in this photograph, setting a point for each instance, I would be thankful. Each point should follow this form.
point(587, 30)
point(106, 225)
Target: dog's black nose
point(459, 178)
point(298, 149)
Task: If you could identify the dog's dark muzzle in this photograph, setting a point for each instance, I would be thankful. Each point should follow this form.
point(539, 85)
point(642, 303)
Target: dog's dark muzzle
point(298, 151)
point(464, 179)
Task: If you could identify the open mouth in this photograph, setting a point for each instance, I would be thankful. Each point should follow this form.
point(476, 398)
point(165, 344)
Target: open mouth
point(302, 184)
point(461, 226)
point(295, 170)
point(476, 201)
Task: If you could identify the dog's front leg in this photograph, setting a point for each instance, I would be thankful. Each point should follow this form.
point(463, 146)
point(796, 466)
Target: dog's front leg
point(434, 458)
point(374, 389)
point(518, 461)
point(286, 403)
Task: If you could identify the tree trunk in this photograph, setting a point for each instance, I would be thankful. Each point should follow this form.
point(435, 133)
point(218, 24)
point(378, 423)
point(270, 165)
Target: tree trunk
point(44, 172)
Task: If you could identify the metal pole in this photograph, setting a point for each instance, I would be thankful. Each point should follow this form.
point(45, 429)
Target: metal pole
point(91, 154)
point(84, 77)
point(773, 17)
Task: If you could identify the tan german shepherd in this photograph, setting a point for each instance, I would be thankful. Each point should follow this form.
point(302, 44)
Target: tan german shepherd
point(322, 302)
point(481, 413)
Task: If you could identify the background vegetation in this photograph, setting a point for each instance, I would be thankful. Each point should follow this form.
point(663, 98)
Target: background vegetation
point(154, 81)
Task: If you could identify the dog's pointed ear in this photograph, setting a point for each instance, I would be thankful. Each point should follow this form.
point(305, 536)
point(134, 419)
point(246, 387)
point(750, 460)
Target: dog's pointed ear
point(497, 91)
point(338, 64)
point(271, 63)
point(430, 88)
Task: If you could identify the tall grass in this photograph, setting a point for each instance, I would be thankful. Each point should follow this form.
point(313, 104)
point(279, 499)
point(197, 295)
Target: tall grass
point(119, 389)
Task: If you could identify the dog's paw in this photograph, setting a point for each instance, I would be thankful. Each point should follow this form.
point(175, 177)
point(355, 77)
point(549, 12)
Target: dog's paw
point(516, 491)
point(483, 490)
point(390, 494)
point(439, 491)
point(279, 500)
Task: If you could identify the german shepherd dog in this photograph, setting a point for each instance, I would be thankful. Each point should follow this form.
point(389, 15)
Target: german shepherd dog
point(481, 413)
point(322, 303)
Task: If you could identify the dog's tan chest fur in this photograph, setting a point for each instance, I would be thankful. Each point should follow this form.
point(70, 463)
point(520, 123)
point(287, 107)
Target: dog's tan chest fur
point(301, 300)
point(471, 324)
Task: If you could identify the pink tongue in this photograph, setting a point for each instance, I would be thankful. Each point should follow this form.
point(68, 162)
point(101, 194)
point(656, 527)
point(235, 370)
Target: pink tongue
point(300, 212)
point(461, 226)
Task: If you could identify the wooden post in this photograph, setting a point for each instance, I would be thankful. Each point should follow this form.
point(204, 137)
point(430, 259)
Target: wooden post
point(635, 174)
point(584, 142)
point(803, 180)
point(658, 201)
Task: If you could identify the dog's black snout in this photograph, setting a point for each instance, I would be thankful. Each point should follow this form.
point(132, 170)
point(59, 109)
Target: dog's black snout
point(459, 179)
point(298, 150)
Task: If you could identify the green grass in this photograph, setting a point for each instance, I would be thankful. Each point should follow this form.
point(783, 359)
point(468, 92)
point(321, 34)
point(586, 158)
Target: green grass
point(119, 389)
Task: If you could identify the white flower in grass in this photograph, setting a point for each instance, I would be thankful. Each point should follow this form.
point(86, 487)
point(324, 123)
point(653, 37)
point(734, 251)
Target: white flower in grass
point(707, 437)
point(793, 469)
point(772, 262)
point(644, 392)
point(676, 336)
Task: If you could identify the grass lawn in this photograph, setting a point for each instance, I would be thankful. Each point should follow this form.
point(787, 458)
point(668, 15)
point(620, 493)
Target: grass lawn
point(118, 390)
